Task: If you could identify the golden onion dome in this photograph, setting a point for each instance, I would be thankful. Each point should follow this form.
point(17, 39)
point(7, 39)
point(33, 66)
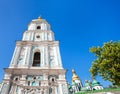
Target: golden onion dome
point(74, 77)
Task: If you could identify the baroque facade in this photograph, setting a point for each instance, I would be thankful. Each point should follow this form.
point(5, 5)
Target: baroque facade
point(36, 66)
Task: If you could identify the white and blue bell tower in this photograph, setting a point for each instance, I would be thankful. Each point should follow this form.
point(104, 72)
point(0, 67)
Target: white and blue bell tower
point(36, 66)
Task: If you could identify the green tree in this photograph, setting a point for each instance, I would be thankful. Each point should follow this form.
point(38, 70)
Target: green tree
point(107, 62)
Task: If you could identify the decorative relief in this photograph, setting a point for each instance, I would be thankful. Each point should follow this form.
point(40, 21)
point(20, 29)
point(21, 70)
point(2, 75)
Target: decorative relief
point(34, 80)
point(32, 91)
point(22, 56)
point(3, 90)
point(32, 77)
point(52, 58)
point(65, 89)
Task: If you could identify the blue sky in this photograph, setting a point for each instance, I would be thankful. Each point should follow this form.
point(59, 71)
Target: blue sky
point(78, 24)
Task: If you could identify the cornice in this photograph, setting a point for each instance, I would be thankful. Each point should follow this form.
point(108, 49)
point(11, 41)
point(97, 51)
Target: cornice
point(35, 71)
point(32, 43)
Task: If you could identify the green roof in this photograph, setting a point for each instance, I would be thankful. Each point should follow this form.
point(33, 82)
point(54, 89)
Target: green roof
point(95, 83)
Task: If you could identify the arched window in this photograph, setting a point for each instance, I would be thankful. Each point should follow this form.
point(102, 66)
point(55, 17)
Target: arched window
point(34, 83)
point(38, 27)
point(53, 80)
point(28, 83)
point(16, 79)
point(36, 60)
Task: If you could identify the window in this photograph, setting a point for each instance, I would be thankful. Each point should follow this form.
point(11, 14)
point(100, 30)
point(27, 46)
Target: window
point(34, 83)
point(38, 27)
point(36, 60)
point(37, 36)
point(28, 83)
point(39, 83)
point(52, 79)
point(34, 78)
point(16, 79)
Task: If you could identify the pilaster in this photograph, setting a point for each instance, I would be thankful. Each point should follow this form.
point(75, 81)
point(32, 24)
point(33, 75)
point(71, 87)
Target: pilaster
point(28, 55)
point(45, 63)
point(23, 80)
point(56, 92)
point(58, 56)
point(60, 89)
point(16, 55)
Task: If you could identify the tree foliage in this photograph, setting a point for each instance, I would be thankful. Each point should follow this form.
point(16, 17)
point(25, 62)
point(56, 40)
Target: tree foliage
point(107, 62)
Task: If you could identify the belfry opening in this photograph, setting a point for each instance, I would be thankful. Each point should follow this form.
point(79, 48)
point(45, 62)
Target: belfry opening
point(38, 27)
point(36, 59)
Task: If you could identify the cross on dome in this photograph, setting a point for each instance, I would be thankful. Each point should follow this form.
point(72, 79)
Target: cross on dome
point(40, 17)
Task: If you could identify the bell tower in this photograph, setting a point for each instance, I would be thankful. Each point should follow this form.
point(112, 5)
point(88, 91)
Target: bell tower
point(36, 66)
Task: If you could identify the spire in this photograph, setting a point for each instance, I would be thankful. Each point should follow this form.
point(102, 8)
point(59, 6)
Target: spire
point(74, 77)
point(40, 19)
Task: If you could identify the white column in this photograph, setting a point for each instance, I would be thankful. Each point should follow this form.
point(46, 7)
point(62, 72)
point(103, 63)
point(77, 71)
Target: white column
point(25, 56)
point(45, 35)
point(60, 89)
point(59, 56)
point(45, 26)
point(1, 86)
point(28, 55)
point(13, 55)
point(32, 36)
point(45, 91)
point(56, 90)
point(13, 89)
point(45, 57)
point(20, 91)
point(7, 89)
point(16, 55)
point(42, 36)
point(45, 75)
point(24, 35)
point(50, 36)
point(55, 57)
point(42, 58)
point(23, 80)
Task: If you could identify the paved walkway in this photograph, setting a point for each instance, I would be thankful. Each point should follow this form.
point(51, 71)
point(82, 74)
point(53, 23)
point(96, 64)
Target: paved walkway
point(105, 93)
point(116, 92)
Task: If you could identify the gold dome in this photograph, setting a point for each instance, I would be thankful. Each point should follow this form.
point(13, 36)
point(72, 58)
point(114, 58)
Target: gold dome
point(39, 18)
point(74, 77)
